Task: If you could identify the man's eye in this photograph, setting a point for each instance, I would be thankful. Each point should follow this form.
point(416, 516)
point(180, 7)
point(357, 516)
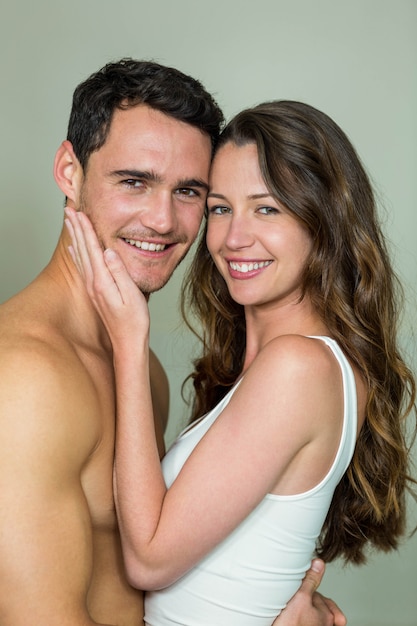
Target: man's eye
point(134, 183)
point(186, 191)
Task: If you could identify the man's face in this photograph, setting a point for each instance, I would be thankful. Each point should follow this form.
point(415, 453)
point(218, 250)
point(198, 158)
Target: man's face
point(145, 191)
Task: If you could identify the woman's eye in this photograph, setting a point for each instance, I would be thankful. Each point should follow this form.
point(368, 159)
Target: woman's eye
point(218, 210)
point(268, 210)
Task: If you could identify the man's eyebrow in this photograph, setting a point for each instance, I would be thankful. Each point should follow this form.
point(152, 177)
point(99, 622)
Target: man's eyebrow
point(151, 176)
point(192, 182)
point(143, 174)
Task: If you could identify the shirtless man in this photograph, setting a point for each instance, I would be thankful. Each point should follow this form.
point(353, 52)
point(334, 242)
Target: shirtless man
point(136, 160)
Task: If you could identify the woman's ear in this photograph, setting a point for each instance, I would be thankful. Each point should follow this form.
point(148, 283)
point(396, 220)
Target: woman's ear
point(68, 172)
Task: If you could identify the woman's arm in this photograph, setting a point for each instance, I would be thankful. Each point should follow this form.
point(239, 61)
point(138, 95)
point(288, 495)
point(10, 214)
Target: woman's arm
point(165, 532)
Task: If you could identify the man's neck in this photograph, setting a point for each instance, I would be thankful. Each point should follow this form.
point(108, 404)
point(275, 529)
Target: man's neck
point(68, 297)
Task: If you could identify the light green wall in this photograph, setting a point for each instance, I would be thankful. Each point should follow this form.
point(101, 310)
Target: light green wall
point(356, 60)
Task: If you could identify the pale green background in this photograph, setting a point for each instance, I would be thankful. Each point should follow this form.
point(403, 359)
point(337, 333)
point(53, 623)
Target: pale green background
point(354, 59)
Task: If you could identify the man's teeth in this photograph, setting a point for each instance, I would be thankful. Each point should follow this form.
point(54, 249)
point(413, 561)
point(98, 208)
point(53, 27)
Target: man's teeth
point(145, 245)
point(248, 267)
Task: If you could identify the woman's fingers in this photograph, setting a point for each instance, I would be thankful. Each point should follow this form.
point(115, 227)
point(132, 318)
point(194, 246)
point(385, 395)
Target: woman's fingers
point(88, 256)
point(127, 288)
point(73, 249)
point(79, 248)
point(121, 305)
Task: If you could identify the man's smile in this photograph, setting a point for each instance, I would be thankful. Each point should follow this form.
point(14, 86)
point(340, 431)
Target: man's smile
point(146, 245)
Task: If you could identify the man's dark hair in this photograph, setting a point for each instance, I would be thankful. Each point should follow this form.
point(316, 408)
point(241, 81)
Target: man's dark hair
point(127, 83)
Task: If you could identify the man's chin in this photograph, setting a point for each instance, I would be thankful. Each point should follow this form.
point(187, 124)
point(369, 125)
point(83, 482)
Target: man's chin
point(149, 287)
point(151, 283)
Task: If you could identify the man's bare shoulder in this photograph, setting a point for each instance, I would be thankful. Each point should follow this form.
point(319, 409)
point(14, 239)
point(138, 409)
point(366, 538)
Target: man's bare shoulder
point(44, 384)
point(33, 343)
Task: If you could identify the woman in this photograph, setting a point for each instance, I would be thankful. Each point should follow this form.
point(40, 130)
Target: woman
point(294, 291)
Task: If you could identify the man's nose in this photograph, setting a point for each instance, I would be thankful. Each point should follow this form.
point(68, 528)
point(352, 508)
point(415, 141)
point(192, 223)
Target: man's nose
point(159, 214)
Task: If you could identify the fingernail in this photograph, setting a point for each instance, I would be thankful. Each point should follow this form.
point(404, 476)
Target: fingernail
point(317, 565)
point(110, 254)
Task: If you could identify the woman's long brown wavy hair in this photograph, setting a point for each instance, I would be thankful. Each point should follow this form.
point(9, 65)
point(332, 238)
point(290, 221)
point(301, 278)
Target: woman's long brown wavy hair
point(310, 166)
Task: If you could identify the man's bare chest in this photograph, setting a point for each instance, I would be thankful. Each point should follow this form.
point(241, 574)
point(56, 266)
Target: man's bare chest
point(97, 474)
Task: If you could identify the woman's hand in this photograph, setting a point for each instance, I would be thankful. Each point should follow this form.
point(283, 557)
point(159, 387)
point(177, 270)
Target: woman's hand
point(121, 305)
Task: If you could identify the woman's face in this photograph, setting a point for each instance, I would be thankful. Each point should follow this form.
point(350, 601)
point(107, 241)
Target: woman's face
point(258, 246)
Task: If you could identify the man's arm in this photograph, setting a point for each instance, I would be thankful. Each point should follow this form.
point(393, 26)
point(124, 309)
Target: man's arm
point(45, 526)
point(308, 607)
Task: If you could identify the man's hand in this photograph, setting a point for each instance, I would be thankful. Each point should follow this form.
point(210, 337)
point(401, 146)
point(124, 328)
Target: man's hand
point(308, 607)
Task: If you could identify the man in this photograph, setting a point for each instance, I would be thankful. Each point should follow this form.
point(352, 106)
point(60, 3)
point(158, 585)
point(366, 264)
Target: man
point(136, 161)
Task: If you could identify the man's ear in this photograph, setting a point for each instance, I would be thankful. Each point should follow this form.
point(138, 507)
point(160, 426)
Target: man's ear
point(68, 173)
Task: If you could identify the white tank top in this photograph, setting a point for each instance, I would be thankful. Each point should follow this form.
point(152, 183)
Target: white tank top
point(250, 576)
